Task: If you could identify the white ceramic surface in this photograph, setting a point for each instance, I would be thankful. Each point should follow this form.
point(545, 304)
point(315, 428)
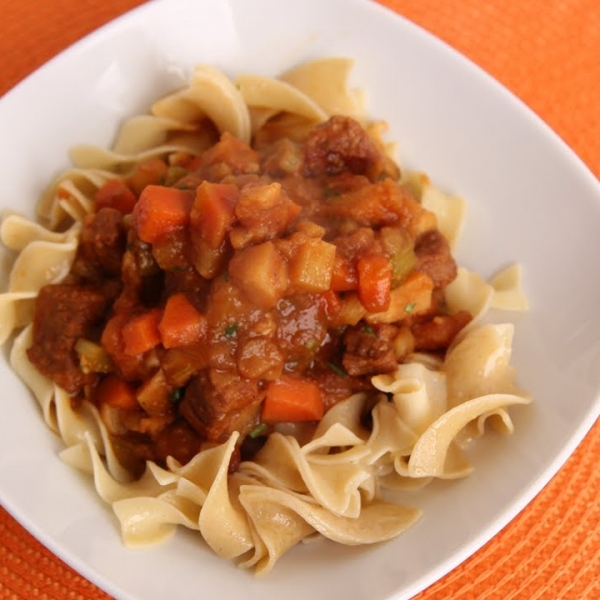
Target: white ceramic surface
point(530, 199)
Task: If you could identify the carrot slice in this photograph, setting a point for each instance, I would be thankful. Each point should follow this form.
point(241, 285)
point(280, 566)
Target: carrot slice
point(344, 276)
point(290, 399)
point(116, 393)
point(140, 333)
point(115, 194)
point(160, 210)
point(213, 211)
point(374, 282)
point(181, 323)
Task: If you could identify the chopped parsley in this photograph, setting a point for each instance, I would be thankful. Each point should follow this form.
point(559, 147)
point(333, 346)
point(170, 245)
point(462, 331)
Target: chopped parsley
point(409, 307)
point(337, 369)
point(177, 395)
point(311, 345)
point(231, 330)
point(258, 431)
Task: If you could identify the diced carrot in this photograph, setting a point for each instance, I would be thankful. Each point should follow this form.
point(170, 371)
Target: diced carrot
point(111, 339)
point(374, 282)
point(116, 393)
point(344, 277)
point(290, 399)
point(412, 297)
point(160, 210)
point(116, 194)
point(333, 304)
point(140, 332)
point(181, 323)
point(152, 171)
point(213, 211)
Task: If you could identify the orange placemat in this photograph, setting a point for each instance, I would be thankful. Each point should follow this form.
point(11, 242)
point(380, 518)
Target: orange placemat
point(548, 53)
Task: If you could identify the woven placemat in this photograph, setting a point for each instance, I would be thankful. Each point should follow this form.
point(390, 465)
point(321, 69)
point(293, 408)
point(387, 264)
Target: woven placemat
point(548, 53)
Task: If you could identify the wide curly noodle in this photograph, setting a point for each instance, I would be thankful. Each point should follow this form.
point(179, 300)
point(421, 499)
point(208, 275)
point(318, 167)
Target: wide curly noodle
point(333, 484)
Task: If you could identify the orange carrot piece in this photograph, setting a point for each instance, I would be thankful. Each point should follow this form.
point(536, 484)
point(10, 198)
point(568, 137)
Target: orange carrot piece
point(344, 277)
point(213, 211)
point(290, 399)
point(112, 340)
point(116, 393)
point(160, 210)
point(181, 323)
point(374, 282)
point(140, 333)
point(115, 194)
point(333, 304)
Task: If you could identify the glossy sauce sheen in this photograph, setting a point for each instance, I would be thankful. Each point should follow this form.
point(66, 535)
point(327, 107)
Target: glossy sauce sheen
point(244, 287)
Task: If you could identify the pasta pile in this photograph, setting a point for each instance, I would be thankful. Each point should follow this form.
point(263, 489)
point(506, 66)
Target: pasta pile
point(332, 485)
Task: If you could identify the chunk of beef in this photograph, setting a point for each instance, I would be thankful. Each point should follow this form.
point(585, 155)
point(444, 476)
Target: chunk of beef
point(63, 314)
point(438, 333)
point(434, 258)
point(339, 145)
point(178, 440)
point(369, 350)
point(215, 411)
point(102, 244)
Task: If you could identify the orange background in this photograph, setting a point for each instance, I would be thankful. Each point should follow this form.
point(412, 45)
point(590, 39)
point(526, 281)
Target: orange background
point(548, 53)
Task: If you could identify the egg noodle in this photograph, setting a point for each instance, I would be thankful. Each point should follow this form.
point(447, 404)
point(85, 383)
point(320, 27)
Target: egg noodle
point(334, 485)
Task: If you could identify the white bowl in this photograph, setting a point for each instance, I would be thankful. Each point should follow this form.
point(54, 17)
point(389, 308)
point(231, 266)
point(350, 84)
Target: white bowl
point(530, 200)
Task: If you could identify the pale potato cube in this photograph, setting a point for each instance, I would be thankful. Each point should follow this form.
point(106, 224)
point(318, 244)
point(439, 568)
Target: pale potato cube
point(262, 274)
point(311, 266)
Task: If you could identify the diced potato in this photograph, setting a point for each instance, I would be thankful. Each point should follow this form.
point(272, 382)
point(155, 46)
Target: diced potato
point(411, 297)
point(262, 273)
point(260, 358)
point(404, 343)
point(311, 266)
point(93, 358)
point(154, 395)
point(206, 260)
point(351, 311)
point(311, 229)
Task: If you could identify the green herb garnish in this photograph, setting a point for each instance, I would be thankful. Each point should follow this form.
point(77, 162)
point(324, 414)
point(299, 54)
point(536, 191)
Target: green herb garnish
point(311, 345)
point(176, 395)
point(231, 330)
point(337, 369)
point(368, 329)
point(258, 431)
point(410, 307)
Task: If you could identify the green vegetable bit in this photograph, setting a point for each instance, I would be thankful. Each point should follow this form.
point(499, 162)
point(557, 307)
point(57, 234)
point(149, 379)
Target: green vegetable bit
point(258, 431)
point(337, 369)
point(231, 330)
point(177, 395)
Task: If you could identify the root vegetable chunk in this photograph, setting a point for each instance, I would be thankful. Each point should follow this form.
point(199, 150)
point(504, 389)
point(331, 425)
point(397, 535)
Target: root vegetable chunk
point(262, 273)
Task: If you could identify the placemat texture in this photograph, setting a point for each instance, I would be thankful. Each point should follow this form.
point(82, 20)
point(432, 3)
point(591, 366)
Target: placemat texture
point(548, 53)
